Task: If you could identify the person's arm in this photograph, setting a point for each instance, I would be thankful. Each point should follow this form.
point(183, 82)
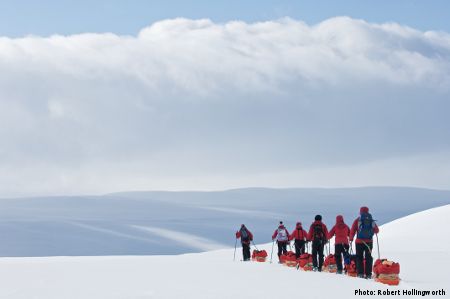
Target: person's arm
point(274, 235)
point(292, 236)
point(250, 235)
point(325, 229)
point(354, 229)
point(305, 235)
point(238, 235)
point(376, 229)
point(332, 232)
point(310, 234)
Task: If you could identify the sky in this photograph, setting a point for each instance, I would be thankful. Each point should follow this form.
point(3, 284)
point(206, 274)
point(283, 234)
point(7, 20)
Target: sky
point(103, 97)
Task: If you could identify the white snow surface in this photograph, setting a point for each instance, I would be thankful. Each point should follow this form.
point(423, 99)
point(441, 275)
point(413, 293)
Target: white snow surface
point(418, 242)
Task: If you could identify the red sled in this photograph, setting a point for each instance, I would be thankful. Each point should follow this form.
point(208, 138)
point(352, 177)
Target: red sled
point(289, 259)
point(305, 262)
point(387, 272)
point(329, 265)
point(259, 255)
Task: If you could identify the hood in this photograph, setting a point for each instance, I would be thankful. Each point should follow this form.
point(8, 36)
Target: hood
point(364, 210)
point(339, 219)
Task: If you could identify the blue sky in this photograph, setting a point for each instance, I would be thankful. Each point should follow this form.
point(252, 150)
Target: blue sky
point(46, 17)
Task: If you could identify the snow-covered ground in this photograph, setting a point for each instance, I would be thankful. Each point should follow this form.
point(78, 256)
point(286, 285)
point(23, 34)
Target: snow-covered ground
point(419, 242)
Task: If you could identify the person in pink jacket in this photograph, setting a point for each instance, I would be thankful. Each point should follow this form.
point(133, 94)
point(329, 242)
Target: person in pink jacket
point(341, 232)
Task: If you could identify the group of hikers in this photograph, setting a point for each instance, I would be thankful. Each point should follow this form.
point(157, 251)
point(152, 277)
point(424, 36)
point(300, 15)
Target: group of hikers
point(364, 228)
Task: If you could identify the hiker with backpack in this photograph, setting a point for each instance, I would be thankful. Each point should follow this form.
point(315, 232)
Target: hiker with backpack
point(318, 233)
point(246, 238)
point(364, 227)
point(299, 235)
point(341, 231)
point(281, 235)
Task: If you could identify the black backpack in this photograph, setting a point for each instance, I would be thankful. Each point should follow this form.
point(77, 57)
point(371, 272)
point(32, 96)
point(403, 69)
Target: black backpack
point(318, 233)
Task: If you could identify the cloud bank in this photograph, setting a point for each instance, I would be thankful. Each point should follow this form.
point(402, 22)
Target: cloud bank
point(193, 104)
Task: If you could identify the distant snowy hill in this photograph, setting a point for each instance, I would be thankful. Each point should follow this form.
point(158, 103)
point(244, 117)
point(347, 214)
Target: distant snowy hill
point(422, 250)
point(146, 223)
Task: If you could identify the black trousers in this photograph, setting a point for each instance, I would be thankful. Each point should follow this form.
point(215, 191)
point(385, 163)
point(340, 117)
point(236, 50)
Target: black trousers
point(339, 251)
point(317, 254)
point(246, 251)
point(299, 247)
point(364, 251)
point(282, 248)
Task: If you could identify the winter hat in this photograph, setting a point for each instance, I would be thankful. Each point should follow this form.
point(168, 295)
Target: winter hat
point(318, 218)
point(364, 210)
point(339, 219)
point(299, 223)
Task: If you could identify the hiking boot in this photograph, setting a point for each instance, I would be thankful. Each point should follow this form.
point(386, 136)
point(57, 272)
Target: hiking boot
point(361, 276)
point(338, 272)
point(315, 269)
point(369, 276)
point(319, 269)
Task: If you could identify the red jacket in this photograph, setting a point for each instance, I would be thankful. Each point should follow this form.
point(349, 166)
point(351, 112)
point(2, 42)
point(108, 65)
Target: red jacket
point(311, 230)
point(298, 233)
point(341, 230)
point(354, 229)
point(275, 234)
point(250, 236)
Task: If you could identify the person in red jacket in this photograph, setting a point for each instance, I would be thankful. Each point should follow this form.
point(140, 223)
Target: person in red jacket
point(318, 234)
point(246, 237)
point(299, 235)
point(364, 227)
point(281, 234)
point(342, 232)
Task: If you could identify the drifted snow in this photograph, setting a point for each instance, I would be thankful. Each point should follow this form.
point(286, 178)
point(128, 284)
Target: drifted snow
point(418, 242)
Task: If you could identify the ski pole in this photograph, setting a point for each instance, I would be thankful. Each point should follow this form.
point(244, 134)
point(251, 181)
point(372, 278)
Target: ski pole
point(271, 252)
point(378, 246)
point(234, 256)
point(255, 245)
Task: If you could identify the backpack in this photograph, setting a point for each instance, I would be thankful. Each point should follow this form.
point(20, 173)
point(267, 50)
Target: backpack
point(318, 234)
point(365, 226)
point(282, 235)
point(244, 235)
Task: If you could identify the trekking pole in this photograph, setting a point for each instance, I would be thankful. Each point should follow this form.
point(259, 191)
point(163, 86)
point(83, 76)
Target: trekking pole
point(234, 256)
point(255, 246)
point(378, 246)
point(271, 252)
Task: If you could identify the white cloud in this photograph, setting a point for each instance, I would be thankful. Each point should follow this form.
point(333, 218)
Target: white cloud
point(189, 99)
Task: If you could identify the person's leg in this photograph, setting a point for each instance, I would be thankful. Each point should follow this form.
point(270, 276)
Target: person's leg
point(302, 247)
point(360, 259)
point(297, 248)
point(369, 259)
point(246, 249)
point(280, 249)
point(338, 250)
point(284, 247)
point(320, 251)
point(314, 254)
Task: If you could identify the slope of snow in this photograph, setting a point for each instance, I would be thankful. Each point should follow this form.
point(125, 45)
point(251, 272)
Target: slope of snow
point(422, 250)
